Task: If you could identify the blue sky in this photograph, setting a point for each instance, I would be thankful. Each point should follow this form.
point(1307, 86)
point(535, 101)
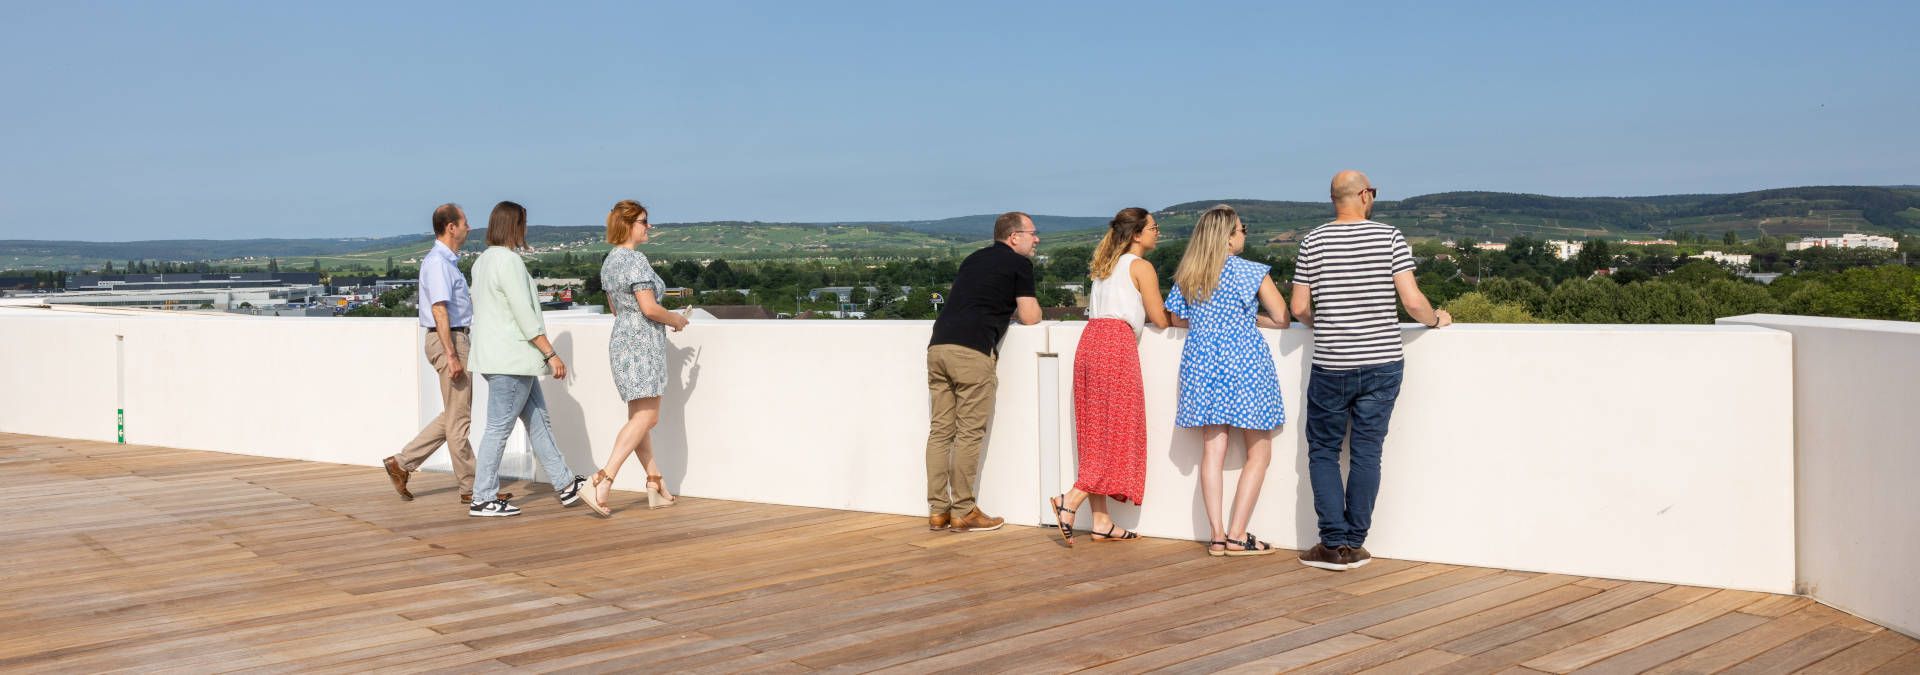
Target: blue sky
point(231, 120)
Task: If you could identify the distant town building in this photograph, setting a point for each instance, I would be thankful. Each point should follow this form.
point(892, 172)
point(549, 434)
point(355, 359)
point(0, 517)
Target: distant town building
point(190, 290)
point(1648, 242)
point(1490, 246)
point(338, 282)
point(1566, 250)
point(1854, 240)
point(844, 293)
point(189, 281)
point(216, 298)
point(1740, 260)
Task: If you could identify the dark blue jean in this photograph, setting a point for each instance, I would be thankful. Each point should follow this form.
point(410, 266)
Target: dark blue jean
point(1359, 400)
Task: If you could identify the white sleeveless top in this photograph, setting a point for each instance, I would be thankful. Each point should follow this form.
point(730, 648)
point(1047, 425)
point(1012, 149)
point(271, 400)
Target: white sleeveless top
point(1115, 297)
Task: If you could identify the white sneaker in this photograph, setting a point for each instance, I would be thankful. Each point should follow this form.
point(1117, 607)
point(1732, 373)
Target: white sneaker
point(571, 493)
point(497, 507)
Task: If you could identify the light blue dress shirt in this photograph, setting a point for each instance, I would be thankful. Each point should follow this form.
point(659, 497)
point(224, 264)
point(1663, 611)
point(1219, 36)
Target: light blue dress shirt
point(441, 281)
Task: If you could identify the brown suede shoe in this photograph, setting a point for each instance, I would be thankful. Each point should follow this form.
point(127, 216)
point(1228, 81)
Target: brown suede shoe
point(399, 479)
point(467, 497)
point(1324, 558)
point(938, 521)
point(977, 521)
point(1358, 557)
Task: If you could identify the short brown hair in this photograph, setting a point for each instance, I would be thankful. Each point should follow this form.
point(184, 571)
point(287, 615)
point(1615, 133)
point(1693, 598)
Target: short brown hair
point(507, 226)
point(621, 219)
point(445, 216)
point(1004, 226)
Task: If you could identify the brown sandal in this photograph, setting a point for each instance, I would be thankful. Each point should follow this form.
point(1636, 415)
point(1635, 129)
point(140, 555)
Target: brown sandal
point(593, 500)
point(657, 492)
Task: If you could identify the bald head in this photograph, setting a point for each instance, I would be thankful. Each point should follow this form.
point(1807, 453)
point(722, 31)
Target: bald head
point(1349, 184)
point(1352, 195)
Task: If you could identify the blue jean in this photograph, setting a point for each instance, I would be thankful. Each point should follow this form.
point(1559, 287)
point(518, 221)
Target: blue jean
point(1360, 400)
point(510, 397)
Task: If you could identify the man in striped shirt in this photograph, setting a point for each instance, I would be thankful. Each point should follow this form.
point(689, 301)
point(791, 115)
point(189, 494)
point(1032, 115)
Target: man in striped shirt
point(1346, 279)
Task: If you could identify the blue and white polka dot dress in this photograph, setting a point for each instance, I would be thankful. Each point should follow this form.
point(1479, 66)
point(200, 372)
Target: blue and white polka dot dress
point(1226, 369)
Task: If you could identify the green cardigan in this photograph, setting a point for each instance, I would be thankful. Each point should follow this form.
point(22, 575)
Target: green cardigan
point(506, 314)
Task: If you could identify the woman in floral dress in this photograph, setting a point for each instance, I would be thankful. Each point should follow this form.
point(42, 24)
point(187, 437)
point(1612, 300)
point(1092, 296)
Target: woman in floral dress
point(638, 350)
point(1109, 408)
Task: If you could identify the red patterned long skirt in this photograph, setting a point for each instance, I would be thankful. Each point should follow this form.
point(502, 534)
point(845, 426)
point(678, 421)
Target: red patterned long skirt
point(1110, 412)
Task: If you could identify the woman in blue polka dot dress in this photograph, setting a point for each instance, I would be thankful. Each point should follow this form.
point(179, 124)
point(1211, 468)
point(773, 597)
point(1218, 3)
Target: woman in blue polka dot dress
point(1226, 370)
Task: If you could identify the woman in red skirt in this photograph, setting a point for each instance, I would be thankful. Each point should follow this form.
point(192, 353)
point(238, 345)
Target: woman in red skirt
point(1109, 410)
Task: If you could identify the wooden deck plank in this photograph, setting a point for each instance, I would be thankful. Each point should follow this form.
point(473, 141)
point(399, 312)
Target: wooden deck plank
point(210, 562)
point(1613, 642)
point(1905, 665)
point(1801, 652)
point(1876, 651)
point(1747, 644)
point(1530, 600)
point(1645, 657)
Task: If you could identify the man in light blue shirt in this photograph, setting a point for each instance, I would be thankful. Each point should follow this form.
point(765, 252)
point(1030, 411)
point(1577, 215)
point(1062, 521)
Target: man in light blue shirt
point(446, 312)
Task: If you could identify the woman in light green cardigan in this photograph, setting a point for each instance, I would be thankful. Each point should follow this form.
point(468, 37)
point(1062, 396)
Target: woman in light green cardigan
point(510, 349)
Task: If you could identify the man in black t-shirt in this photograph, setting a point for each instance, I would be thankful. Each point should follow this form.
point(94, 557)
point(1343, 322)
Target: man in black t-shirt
point(995, 284)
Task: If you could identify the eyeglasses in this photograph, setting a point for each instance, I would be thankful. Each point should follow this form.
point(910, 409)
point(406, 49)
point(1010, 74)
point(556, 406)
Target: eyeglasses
point(1372, 192)
point(1024, 232)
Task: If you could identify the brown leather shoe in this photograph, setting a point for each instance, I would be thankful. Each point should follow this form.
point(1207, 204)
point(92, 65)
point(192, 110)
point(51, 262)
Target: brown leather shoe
point(467, 497)
point(1358, 557)
point(977, 521)
point(398, 477)
point(938, 521)
point(1324, 558)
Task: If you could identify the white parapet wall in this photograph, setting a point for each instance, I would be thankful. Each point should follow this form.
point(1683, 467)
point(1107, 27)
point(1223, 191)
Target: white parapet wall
point(321, 389)
point(1657, 453)
point(1631, 452)
point(1857, 440)
point(812, 413)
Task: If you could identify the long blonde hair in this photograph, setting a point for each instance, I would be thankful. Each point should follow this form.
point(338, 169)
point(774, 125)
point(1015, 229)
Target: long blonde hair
point(1199, 270)
point(1126, 225)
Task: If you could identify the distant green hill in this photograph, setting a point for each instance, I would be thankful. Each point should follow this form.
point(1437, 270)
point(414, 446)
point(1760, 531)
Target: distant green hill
point(981, 227)
point(192, 249)
point(1486, 216)
point(1497, 216)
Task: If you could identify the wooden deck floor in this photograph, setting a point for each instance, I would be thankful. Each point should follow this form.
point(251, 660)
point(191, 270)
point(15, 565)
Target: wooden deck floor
point(141, 557)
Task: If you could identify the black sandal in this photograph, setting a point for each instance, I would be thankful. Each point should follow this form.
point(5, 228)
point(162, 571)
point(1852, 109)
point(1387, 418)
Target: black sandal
point(1216, 554)
point(1109, 536)
point(1252, 546)
point(1066, 527)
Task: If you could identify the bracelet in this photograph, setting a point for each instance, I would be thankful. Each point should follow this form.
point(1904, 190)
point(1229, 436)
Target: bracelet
point(548, 356)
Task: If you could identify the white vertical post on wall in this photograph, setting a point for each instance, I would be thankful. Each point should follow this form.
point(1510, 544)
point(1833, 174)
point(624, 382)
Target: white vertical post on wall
point(120, 388)
point(1049, 418)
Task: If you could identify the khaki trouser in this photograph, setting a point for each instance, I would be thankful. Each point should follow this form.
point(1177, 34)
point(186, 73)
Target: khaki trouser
point(961, 382)
point(454, 424)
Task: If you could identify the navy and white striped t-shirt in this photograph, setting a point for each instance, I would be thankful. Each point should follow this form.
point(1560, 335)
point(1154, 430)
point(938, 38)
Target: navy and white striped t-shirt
point(1349, 268)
